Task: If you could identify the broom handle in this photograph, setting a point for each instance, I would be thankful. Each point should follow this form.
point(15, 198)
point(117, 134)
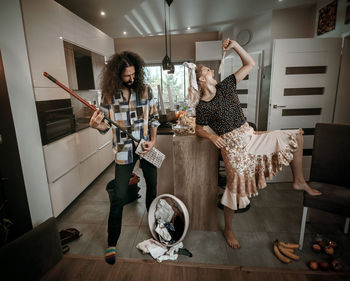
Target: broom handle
point(92, 107)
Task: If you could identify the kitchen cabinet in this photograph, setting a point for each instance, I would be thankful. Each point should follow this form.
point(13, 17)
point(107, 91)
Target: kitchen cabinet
point(45, 35)
point(64, 190)
point(98, 63)
point(60, 157)
point(73, 162)
point(106, 155)
point(70, 64)
point(89, 169)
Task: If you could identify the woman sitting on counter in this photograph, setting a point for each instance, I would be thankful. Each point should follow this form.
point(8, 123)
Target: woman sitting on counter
point(249, 156)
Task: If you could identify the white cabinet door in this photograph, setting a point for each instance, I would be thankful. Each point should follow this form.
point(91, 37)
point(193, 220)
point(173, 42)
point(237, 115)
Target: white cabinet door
point(86, 143)
point(103, 139)
point(106, 156)
point(98, 63)
point(89, 170)
point(60, 157)
point(64, 190)
point(45, 48)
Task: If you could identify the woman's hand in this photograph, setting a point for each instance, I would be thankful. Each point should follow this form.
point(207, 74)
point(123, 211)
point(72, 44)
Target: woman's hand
point(96, 121)
point(228, 44)
point(218, 141)
point(147, 146)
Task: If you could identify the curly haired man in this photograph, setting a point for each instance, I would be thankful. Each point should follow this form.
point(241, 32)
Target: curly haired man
point(128, 101)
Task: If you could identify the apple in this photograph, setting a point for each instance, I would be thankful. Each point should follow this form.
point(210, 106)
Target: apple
point(329, 250)
point(317, 248)
point(336, 265)
point(313, 264)
point(324, 265)
point(333, 244)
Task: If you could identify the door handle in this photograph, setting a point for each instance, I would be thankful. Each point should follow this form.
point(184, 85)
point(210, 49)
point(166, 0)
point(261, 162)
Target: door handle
point(278, 106)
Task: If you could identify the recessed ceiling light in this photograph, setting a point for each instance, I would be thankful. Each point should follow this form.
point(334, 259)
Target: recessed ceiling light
point(188, 28)
point(102, 13)
point(61, 37)
point(280, 0)
point(124, 32)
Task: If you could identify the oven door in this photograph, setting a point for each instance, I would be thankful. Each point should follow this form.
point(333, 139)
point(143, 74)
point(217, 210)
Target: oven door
point(57, 123)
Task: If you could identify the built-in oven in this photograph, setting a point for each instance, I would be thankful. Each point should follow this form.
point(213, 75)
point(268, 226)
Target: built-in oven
point(56, 119)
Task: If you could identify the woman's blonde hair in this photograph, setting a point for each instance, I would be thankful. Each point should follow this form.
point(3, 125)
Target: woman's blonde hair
point(194, 95)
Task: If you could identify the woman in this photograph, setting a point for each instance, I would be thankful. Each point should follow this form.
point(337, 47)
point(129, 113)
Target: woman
point(249, 156)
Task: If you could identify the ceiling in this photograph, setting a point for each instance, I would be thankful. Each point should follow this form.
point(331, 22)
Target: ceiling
point(146, 17)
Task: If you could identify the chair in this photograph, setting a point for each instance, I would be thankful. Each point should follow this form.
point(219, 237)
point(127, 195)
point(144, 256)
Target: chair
point(329, 173)
point(33, 254)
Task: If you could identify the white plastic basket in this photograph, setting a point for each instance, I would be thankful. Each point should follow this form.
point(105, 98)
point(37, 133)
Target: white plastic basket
point(151, 218)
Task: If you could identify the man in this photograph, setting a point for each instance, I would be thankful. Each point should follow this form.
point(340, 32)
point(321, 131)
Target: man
point(129, 102)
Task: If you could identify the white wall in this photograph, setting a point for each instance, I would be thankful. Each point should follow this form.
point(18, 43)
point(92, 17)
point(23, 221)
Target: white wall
point(260, 27)
point(20, 90)
point(340, 27)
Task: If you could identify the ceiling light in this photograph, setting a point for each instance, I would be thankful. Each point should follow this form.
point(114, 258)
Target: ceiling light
point(102, 13)
point(61, 37)
point(280, 0)
point(124, 32)
point(188, 28)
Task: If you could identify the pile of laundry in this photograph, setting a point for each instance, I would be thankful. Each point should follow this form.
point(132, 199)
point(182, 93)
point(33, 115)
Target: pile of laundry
point(169, 225)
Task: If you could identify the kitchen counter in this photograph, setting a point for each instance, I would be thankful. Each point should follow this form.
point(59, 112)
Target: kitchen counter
point(190, 172)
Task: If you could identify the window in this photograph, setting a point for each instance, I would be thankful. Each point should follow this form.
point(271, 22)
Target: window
point(177, 82)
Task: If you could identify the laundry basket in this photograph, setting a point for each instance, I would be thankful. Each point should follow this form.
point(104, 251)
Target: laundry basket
point(182, 208)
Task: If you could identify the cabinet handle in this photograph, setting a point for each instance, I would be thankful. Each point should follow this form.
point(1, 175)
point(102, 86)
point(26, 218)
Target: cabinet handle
point(65, 173)
point(278, 106)
point(104, 145)
point(87, 157)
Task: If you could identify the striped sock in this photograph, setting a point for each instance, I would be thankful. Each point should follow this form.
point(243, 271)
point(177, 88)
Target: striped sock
point(110, 255)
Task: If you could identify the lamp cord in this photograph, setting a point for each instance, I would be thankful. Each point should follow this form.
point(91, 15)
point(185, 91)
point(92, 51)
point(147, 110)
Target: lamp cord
point(166, 34)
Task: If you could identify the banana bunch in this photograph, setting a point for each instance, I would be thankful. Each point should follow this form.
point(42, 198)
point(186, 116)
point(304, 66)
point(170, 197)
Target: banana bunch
point(285, 251)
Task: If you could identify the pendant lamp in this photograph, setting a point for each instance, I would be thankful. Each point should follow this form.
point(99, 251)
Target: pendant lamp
point(166, 63)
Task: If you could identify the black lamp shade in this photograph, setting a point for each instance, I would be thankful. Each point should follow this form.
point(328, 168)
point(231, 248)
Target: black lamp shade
point(166, 63)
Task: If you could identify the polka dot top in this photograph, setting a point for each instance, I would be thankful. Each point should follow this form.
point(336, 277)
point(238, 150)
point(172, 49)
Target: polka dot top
point(223, 113)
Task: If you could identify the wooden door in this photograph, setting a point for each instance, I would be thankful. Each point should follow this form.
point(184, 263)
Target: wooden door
point(303, 89)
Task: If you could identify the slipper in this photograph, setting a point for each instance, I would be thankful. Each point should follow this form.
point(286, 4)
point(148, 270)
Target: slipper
point(65, 249)
point(69, 235)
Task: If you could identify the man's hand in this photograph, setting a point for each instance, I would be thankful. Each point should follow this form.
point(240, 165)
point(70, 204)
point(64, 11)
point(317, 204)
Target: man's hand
point(218, 141)
point(96, 121)
point(147, 146)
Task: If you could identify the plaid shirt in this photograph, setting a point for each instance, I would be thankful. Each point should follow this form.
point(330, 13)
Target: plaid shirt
point(136, 116)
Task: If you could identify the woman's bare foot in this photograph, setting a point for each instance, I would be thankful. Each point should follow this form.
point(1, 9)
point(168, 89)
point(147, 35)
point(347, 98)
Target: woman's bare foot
point(231, 239)
point(305, 187)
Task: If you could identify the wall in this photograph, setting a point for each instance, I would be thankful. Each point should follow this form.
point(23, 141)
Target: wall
point(260, 27)
point(340, 27)
point(152, 48)
point(20, 90)
point(293, 23)
point(342, 113)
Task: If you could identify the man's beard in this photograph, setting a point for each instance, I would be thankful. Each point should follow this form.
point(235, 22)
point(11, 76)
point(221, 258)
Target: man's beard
point(128, 85)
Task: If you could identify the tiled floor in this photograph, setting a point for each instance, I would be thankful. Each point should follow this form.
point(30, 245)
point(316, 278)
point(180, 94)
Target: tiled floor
point(274, 214)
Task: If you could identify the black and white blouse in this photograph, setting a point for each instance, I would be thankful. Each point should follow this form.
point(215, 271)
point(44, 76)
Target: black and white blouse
point(223, 113)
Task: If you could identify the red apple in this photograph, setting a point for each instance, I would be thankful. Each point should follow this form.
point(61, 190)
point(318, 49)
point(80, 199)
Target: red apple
point(336, 265)
point(317, 248)
point(324, 265)
point(313, 264)
point(329, 250)
point(333, 244)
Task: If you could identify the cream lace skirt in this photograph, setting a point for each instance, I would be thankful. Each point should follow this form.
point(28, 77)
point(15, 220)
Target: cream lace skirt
point(252, 156)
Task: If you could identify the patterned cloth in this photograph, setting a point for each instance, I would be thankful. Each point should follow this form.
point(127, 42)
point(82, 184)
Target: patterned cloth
point(252, 156)
point(223, 113)
point(136, 115)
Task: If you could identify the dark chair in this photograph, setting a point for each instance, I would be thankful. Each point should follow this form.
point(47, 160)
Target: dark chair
point(33, 254)
point(329, 173)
